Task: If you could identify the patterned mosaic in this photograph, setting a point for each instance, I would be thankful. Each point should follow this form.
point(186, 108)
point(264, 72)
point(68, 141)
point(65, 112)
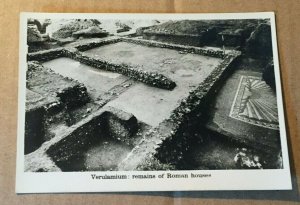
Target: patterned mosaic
point(255, 103)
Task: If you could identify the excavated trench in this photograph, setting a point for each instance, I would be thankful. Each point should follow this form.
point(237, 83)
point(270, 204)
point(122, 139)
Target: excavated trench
point(99, 143)
point(97, 81)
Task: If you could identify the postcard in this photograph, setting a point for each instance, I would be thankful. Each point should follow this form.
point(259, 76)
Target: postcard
point(150, 102)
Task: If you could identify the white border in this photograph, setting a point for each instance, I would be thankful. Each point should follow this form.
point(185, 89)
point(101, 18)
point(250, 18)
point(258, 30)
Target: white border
point(54, 182)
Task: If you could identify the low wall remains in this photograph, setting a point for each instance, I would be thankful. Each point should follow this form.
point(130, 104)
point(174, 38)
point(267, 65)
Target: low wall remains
point(75, 140)
point(201, 39)
point(120, 125)
point(87, 46)
point(190, 40)
point(78, 139)
point(187, 49)
point(41, 105)
point(171, 139)
point(191, 112)
point(47, 55)
point(150, 78)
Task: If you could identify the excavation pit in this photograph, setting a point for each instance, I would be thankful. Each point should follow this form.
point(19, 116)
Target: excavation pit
point(98, 143)
point(103, 156)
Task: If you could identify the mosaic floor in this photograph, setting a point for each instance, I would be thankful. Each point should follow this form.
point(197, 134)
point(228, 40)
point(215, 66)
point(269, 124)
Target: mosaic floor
point(255, 103)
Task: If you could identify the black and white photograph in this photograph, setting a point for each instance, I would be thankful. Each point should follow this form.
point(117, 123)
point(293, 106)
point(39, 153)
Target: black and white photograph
point(135, 98)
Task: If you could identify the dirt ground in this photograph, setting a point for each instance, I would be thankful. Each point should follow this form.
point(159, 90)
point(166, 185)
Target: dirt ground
point(152, 105)
point(103, 156)
point(97, 81)
point(169, 62)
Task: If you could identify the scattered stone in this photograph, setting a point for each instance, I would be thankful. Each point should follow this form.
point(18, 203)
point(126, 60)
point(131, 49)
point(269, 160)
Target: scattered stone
point(126, 85)
point(246, 160)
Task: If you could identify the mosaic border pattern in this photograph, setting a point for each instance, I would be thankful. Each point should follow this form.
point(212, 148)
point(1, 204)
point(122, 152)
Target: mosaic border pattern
point(255, 112)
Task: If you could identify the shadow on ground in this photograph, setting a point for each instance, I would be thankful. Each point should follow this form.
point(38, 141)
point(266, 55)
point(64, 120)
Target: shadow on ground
point(282, 195)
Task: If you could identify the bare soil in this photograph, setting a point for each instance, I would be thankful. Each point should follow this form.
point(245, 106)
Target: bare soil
point(97, 81)
point(105, 155)
point(152, 105)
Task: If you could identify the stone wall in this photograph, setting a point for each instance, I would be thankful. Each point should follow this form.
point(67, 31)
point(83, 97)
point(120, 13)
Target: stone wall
point(47, 99)
point(43, 56)
point(120, 125)
point(201, 39)
point(187, 49)
point(95, 44)
point(150, 78)
point(77, 139)
point(189, 115)
point(68, 93)
point(109, 122)
point(171, 139)
point(192, 40)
